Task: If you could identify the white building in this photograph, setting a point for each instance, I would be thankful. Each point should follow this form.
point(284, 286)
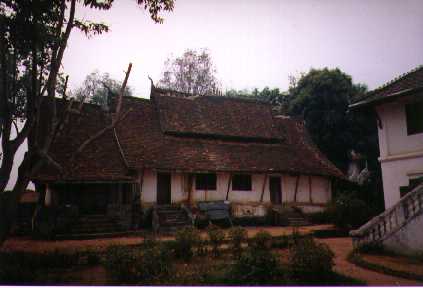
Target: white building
point(399, 108)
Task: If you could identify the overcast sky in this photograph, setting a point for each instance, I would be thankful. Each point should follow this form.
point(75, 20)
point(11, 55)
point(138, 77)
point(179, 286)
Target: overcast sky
point(255, 43)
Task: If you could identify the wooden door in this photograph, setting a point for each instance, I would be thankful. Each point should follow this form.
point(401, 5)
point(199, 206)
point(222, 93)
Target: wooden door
point(163, 189)
point(275, 190)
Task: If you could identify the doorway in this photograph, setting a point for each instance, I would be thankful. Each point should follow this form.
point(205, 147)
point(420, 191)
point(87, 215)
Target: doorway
point(275, 190)
point(163, 189)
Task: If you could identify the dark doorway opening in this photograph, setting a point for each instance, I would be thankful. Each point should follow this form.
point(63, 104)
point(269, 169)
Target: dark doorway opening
point(275, 189)
point(163, 189)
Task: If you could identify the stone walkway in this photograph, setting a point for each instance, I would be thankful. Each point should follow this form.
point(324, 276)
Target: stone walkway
point(342, 247)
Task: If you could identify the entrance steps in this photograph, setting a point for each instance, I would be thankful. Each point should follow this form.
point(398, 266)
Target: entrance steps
point(288, 216)
point(170, 218)
point(399, 227)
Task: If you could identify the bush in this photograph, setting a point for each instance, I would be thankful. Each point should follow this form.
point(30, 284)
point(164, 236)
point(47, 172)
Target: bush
point(350, 212)
point(216, 237)
point(323, 217)
point(257, 267)
point(202, 248)
point(186, 239)
point(310, 260)
point(17, 268)
point(237, 236)
point(261, 241)
point(130, 265)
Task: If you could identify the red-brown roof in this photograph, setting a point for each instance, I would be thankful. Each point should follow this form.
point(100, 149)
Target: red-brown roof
point(216, 116)
point(145, 145)
point(408, 82)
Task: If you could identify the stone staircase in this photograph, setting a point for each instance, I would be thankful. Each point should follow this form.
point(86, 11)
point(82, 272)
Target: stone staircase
point(288, 216)
point(399, 226)
point(170, 218)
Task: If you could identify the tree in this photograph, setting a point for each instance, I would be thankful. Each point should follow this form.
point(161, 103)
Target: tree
point(99, 89)
point(33, 39)
point(321, 97)
point(192, 73)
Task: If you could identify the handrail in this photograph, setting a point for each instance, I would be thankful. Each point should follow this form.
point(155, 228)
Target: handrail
point(381, 226)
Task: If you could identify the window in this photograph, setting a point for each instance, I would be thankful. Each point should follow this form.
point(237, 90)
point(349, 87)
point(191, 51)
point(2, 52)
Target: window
point(414, 114)
point(241, 182)
point(205, 181)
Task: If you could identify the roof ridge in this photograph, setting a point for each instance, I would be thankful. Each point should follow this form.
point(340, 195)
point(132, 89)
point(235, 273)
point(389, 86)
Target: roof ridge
point(393, 81)
point(191, 96)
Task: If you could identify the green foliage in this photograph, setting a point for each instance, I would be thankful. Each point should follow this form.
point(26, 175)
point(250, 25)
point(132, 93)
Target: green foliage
point(322, 98)
point(100, 89)
point(130, 265)
point(24, 267)
point(372, 248)
point(216, 237)
point(237, 235)
point(261, 241)
point(310, 260)
point(258, 267)
point(350, 212)
point(186, 239)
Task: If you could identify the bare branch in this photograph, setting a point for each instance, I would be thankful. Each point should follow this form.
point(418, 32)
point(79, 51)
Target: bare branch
point(122, 90)
point(51, 161)
point(115, 120)
point(65, 88)
point(99, 134)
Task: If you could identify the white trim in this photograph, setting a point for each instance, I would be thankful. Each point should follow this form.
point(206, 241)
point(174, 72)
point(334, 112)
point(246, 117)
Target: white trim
point(401, 156)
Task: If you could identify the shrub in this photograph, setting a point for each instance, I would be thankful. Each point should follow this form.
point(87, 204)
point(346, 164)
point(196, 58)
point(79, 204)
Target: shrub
point(350, 212)
point(310, 260)
point(237, 236)
point(369, 248)
point(323, 217)
point(17, 268)
point(202, 247)
point(130, 265)
point(261, 241)
point(216, 237)
point(186, 239)
point(257, 267)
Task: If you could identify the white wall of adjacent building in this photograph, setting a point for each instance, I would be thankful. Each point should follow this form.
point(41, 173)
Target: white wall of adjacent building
point(401, 155)
point(310, 200)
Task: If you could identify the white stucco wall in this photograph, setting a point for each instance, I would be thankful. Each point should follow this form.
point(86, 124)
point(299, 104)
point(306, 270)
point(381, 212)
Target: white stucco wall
point(401, 155)
point(321, 189)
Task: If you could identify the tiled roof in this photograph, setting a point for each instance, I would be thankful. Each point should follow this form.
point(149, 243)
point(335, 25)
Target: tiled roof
point(144, 145)
point(217, 116)
point(410, 81)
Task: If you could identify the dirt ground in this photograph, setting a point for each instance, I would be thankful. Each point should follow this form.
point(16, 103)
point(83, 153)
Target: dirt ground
point(30, 245)
point(397, 263)
point(342, 246)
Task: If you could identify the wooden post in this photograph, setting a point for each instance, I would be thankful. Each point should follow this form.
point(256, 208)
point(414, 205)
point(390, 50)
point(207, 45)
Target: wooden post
point(190, 180)
point(296, 188)
point(229, 186)
point(263, 187)
point(310, 189)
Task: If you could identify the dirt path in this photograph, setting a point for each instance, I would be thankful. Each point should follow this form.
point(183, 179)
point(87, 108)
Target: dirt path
point(31, 245)
point(341, 247)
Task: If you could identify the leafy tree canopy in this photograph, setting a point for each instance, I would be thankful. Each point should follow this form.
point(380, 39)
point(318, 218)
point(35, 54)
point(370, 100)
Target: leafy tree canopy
point(321, 97)
point(99, 89)
point(192, 73)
